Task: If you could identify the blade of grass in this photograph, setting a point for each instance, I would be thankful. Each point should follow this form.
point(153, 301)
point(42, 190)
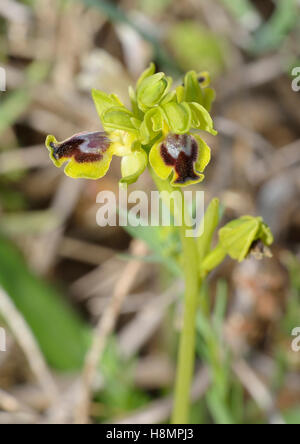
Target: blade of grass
point(62, 336)
point(273, 33)
point(220, 306)
point(15, 103)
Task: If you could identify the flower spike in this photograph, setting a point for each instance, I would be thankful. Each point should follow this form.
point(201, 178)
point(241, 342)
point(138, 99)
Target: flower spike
point(157, 129)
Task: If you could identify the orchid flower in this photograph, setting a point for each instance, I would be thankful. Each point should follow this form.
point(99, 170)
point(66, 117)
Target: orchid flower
point(159, 129)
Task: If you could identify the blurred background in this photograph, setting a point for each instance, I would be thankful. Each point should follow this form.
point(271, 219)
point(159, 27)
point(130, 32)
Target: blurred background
point(60, 274)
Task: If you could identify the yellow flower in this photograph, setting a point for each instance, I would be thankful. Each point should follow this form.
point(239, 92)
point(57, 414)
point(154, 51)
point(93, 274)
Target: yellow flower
point(159, 122)
point(88, 155)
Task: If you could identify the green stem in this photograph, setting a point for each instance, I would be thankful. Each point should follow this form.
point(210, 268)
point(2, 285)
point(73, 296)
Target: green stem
point(186, 354)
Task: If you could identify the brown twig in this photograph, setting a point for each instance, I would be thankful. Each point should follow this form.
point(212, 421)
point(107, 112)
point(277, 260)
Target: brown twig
point(138, 331)
point(104, 329)
point(87, 252)
point(258, 390)
point(29, 345)
point(11, 404)
point(14, 11)
point(253, 75)
point(31, 157)
point(45, 248)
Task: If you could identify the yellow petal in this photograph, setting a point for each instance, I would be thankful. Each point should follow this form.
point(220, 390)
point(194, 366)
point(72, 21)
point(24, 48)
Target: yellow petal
point(156, 161)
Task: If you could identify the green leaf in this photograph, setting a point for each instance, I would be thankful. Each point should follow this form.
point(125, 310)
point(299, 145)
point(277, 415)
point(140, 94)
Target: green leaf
point(15, 103)
point(273, 33)
point(62, 336)
point(12, 107)
point(220, 306)
point(104, 101)
point(244, 11)
point(219, 410)
point(292, 415)
point(208, 226)
point(212, 260)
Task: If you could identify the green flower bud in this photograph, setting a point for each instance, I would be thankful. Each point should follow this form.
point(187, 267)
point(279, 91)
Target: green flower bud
point(152, 90)
point(147, 73)
point(239, 238)
point(240, 235)
point(208, 226)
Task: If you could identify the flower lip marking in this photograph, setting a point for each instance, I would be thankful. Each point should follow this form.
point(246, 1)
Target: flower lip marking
point(181, 152)
point(84, 147)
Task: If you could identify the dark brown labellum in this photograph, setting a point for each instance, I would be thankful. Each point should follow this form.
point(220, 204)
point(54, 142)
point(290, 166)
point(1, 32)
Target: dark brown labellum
point(181, 152)
point(84, 147)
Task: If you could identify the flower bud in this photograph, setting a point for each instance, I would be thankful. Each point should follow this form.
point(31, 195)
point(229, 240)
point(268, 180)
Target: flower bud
point(152, 90)
point(239, 237)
